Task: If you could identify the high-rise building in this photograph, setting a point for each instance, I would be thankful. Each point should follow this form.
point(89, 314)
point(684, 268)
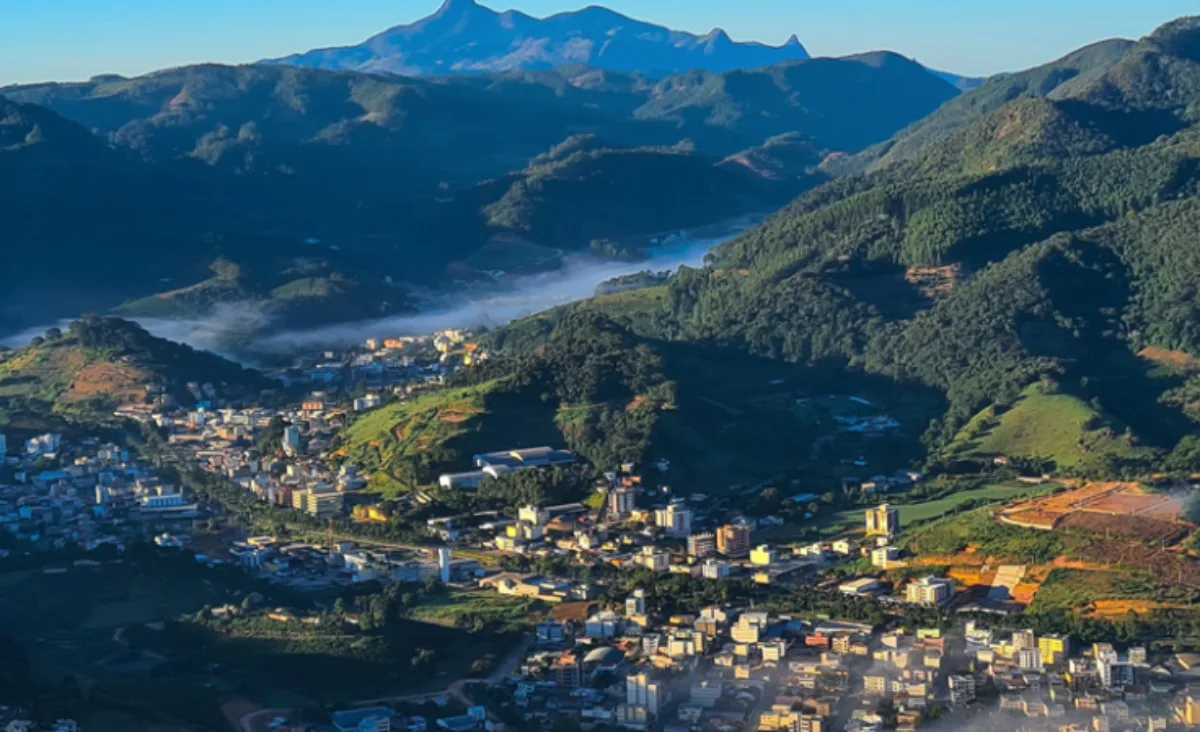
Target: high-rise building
point(1029, 659)
point(929, 591)
point(676, 519)
point(1022, 639)
point(883, 520)
point(443, 557)
point(291, 439)
point(622, 501)
point(1054, 647)
point(733, 540)
point(701, 545)
point(1115, 674)
point(640, 691)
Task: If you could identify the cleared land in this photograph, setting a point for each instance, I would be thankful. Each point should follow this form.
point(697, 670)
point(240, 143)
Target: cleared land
point(1117, 509)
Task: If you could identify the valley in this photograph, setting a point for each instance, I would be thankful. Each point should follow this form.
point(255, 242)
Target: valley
point(577, 373)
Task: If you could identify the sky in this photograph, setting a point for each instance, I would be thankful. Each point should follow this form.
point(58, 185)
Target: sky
point(64, 40)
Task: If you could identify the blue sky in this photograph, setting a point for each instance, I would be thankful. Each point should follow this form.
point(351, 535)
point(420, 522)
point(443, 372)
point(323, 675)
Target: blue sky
point(44, 40)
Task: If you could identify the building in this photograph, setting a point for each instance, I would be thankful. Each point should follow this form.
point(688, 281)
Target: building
point(675, 519)
point(443, 560)
point(3, 446)
point(701, 545)
point(763, 556)
point(714, 569)
point(533, 515)
point(370, 401)
point(635, 604)
point(317, 503)
point(1022, 639)
point(1115, 674)
point(534, 457)
point(962, 689)
point(567, 672)
point(733, 540)
point(622, 501)
point(883, 520)
point(1054, 648)
point(883, 556)
point(640, 691)
point(291, 439)
point(929, 591)
point(862, 587)
point(1029, 659)
point(461, 481)
point(706, 693)
point(654, 559)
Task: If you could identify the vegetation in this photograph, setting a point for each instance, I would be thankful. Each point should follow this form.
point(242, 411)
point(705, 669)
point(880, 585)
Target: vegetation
point(135, 210)
point(99, 364)
point(1036, 232)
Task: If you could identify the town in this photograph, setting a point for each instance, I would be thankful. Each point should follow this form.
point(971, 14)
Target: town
point(789, 637)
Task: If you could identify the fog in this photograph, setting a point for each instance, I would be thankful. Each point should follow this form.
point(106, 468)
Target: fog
point(249, 326)
point(515, 298)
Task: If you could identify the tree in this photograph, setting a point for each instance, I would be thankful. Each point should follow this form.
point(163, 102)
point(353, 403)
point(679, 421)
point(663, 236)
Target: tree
point(53, 334)
point(423, 659)
point(339, 606)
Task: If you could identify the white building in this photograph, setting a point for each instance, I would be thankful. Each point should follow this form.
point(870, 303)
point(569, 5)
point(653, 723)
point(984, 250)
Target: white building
point(930, 591)
point(675, 519)
point(640, 691)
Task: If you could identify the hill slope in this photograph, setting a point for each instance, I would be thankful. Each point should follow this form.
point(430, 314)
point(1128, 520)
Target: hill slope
point(99, 364)
point(175, 169)
point(1046, 239)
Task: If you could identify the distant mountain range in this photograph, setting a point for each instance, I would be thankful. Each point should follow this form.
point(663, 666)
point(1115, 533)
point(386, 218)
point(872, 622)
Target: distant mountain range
point(464, 37)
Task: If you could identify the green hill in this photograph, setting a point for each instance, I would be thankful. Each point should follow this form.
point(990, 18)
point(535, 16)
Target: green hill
point(1045, 237)
point(131, 184)
point(99, 364)
point(1044, 427)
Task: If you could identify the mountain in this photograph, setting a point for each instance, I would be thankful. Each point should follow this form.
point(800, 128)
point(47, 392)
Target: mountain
point(1040, 240)
point(463, 37)
point(1057, 78)
point(99, 364)
point(321, 185)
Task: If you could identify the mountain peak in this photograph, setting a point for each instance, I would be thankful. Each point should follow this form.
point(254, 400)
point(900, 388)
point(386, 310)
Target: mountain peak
point(454, 6)
point(467, 37)
point(792, 41)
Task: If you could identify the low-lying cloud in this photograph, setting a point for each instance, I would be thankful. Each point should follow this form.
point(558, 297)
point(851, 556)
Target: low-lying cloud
point(245, 328)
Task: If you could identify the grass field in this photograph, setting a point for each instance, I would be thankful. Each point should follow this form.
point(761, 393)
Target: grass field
point(1045, 425)
point(911, 513)
point(462, 609)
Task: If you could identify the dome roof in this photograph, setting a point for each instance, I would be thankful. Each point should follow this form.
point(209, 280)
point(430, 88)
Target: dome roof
point(604, 656)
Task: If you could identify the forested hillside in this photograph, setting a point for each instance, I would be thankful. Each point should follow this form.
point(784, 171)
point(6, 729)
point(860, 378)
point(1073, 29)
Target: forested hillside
point(1050, 240)
point(136, 186)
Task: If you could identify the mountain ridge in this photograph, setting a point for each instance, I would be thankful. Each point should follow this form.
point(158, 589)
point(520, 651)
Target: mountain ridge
point(511, 40)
